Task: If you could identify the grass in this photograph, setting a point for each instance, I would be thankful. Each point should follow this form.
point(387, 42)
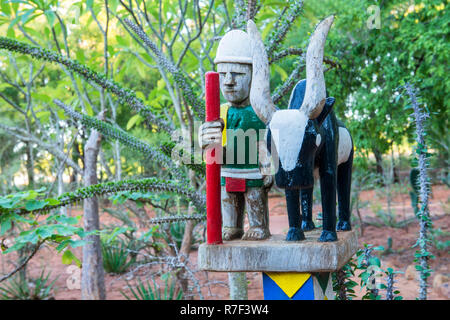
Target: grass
point(21, 288)
point(116, 257)
point(148, 291)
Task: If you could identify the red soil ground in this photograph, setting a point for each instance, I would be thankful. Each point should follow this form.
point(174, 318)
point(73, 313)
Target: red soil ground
point(400, 258)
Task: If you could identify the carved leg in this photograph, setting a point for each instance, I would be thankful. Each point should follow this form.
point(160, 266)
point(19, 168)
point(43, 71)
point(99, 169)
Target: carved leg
point(232, 215)
point(328, 192)
point(343, 192)
point(258, 214)
point(328, 180)
point(295, 232)
point(306, 201)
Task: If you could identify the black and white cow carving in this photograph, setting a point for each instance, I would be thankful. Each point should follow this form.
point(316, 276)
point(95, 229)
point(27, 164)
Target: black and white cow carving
point(305, 137)
point(302, 146)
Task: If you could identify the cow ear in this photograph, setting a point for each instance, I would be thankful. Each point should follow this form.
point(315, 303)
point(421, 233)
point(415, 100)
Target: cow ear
point(329, 102)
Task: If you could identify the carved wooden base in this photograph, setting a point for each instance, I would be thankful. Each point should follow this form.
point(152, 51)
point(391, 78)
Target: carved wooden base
point(277, 255)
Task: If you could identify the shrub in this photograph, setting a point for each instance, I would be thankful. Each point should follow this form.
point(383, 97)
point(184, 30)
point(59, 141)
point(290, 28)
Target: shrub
point(21, 288)
point(116, 257)
point(146, 292)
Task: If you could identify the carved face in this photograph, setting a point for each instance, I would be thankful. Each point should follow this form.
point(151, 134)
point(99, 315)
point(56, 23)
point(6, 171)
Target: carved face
point(295, 140)
point(235, 81)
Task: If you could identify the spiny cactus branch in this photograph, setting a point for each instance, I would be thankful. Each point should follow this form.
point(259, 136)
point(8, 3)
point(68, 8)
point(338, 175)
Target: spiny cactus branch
point(367, 252)
point(125, 96)
point(240, 14)
point(287, 86)
point(252, 9)
point(423, 214)
point(390, 286)
point(300, 52)
point(340, 279)
point(102, 189)
point(199, 168)
point(117, 133)
point(178, 218)
point(286, 19)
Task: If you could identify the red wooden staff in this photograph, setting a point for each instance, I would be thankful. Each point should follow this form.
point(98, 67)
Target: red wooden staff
point(213, 201)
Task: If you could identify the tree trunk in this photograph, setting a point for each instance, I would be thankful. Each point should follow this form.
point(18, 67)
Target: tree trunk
point(117, 161)
point(60, 185)
point(30, 165)
point(237, 282)
point(379, 161)
point(76, 155)
point(184, 252)
point(92, 277)
point(395, 175)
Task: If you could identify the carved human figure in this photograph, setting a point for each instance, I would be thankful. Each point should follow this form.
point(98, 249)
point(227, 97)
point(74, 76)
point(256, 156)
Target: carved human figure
point(244, 181)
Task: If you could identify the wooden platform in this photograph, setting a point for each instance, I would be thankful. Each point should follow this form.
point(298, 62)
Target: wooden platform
point(277, 255)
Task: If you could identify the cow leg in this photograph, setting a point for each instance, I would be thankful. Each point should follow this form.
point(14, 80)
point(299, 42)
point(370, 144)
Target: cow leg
point(306, 201)
point(328, 192)
point(328, 178)
point(343, 192)
point(295, 232)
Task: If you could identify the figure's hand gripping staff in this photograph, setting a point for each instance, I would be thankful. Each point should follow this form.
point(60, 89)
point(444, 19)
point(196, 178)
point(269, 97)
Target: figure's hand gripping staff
point(213, 199)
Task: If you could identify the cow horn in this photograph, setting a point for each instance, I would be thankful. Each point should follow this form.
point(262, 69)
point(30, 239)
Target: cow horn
point(315, 94)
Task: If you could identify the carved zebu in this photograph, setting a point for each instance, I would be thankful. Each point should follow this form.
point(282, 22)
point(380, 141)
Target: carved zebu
point(305, 137)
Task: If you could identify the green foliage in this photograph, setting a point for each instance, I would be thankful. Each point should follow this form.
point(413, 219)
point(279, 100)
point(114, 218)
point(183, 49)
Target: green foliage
point(60, 229)
point(147, 291)
point(278, 33)
point(21, 288)
point(439, 238)
point(181, 80)
point(116, 256)
point(126, 96)
point(391, 293)
point(68, 257)
point(125, 138)
point(343, 285)
point(174, 232)
point(16, 204)
point(57, 229)
point(368, 264)
point(368, 269)
point(389, 219)
point(177, 232)
point(411, 42)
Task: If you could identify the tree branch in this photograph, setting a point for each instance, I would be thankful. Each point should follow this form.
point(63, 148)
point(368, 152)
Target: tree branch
point(24, 263)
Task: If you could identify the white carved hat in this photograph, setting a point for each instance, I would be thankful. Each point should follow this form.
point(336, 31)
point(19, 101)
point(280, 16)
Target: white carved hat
point(235, 46)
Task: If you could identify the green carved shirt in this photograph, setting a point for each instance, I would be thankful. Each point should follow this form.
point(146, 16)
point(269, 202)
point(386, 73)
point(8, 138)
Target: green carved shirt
point(241, 150)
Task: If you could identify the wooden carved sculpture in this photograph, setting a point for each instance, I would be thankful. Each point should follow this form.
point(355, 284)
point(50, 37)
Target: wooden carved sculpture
point(244, 183)
point(305, 137)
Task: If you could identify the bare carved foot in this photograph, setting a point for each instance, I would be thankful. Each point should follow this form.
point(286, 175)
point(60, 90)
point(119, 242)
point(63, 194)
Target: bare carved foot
point(256, 233)
point(230, 233)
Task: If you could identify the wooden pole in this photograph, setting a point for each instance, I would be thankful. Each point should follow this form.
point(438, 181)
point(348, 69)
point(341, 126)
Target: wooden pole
point(213, 203)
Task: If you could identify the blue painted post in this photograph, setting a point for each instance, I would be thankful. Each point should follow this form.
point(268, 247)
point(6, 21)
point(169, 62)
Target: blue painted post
point(297, 286)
